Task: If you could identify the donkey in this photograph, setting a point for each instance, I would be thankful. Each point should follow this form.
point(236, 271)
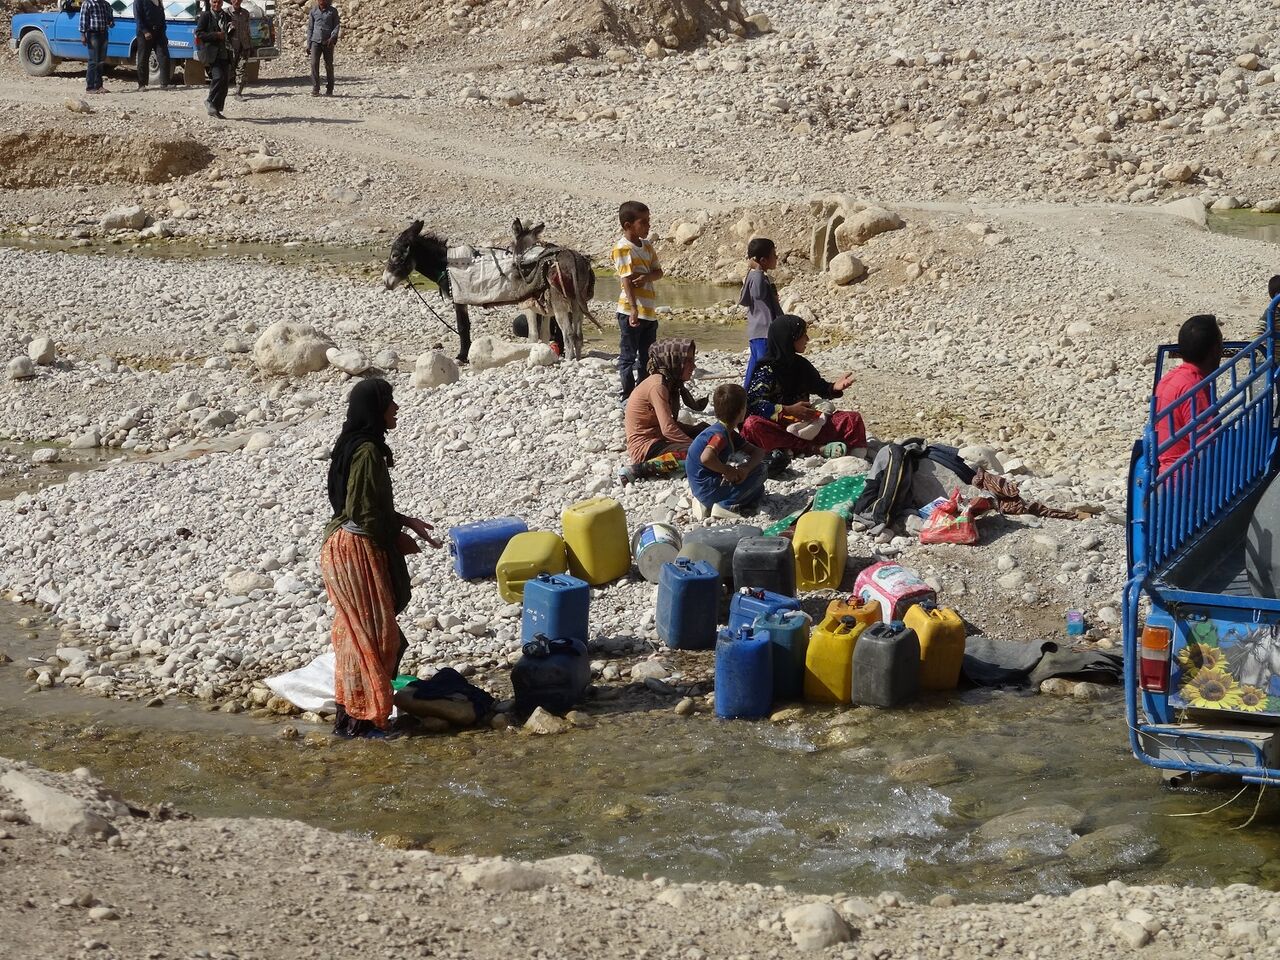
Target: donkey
point(571, 283)
point(428, 254)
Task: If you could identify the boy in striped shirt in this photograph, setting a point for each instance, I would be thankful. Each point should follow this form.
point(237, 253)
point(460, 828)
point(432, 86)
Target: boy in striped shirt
point(636, 262)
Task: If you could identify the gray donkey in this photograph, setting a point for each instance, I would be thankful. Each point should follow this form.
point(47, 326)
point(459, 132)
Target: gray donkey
point(571, 283)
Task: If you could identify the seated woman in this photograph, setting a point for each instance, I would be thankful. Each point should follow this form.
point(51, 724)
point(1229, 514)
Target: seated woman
point(657, 442)
point(778, 397)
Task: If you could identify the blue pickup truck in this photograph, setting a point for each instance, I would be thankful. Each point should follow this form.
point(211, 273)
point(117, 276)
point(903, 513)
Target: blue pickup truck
point(42, 40)
point(1202, 598)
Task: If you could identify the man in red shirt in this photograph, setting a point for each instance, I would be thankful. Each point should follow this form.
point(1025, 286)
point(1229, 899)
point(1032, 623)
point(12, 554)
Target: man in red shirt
point(1200, 346)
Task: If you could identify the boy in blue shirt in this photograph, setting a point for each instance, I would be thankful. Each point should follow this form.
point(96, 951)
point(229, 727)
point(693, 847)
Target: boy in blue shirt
point(721, 485)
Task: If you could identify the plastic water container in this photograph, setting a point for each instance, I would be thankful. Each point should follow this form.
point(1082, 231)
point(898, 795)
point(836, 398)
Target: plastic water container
point(701, 553)
point(652, 546)
point(688, 598)
point(744, 674)
point(747, 605)
point(724, 540)
point(525, 556)
point(477, 546)
point(595, 536)
point(886, 665)
point(765, 563)
point(941, 635)
point(551, 674)
point(820, 543)
point(865, 612)
point(555, 605)
point(788, 633)
point(828, 663)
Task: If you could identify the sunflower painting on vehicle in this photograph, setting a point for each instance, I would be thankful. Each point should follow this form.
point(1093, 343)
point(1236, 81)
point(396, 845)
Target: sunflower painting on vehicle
point(1238, 670)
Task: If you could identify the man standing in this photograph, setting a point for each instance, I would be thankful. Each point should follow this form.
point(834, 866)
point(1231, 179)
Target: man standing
point(241, 43)
point(322, 35)
point(211, 32)
point(96, 18)
point(149, 16)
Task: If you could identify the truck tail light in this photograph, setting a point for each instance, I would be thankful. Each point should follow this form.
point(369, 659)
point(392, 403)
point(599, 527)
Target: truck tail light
point(1153, 659)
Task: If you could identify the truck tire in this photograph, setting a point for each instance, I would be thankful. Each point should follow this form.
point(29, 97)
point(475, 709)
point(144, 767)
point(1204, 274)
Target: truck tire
point(37, 58)
point(251, 71)
point(193, 72)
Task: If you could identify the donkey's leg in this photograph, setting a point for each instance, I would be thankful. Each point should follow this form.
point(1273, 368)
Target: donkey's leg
point(565, 318)
point(463, 318)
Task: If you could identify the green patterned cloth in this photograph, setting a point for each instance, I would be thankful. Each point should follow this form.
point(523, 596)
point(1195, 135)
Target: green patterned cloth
point(839, 496)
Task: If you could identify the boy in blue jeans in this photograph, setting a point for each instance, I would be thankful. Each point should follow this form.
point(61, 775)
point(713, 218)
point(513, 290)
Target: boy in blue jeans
point(636, 262)
point(760, 297)
point(721, 485)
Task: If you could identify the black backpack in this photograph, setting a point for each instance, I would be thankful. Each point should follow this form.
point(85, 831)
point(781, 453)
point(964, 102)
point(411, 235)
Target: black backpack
point(888, 489)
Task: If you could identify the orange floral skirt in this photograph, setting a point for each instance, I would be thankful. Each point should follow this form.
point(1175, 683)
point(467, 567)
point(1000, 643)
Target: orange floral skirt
point(366, 639)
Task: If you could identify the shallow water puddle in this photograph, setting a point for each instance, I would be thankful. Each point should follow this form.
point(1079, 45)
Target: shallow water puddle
point(1246, 223)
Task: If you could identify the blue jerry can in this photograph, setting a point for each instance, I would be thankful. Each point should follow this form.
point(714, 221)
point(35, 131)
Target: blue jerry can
point(744, 674)
point(688, 598)
point(477, 546)
point(748, 604)
point(788, 633)
point(555, 605)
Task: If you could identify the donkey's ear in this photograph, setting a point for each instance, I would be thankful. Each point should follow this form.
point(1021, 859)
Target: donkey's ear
point(538, 229)
point(516, 228)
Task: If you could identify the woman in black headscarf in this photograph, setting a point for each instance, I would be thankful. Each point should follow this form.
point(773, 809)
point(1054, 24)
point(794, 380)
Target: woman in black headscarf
point(362, 562)
point(778, 396)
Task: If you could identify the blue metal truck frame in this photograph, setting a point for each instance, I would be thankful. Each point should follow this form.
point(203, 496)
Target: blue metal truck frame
point(1179, 521)
point(42, 40)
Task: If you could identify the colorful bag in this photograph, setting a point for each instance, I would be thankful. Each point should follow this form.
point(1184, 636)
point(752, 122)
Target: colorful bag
point(955, 520)
point(895, 587)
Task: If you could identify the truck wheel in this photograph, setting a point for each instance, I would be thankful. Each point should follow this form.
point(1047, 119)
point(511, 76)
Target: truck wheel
point(251, 71)
point(193, 72)
point(37, 59)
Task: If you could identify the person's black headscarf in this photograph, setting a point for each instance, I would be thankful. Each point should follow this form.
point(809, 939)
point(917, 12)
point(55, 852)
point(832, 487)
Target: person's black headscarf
point(796, 378)
point(366, 423)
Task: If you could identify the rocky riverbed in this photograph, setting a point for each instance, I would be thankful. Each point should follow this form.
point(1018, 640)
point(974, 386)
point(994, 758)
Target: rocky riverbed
point(87, 874)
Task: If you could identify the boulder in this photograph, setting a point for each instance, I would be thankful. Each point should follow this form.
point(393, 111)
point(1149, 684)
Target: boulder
point(1031, 821)
point(845, 268)
point(504, 876)
point(291, 349)
point(53, 810)
point(686, 233)
point(240, 583)
point(489, 352)
point(46, 455)
point(1112, 848)
point(21, 368)
point(1268, 206)
point(543, 723)
point(861, 227)
point(89, 440)
point(1180, 172)
point(541, 355)
point(124, 218)
point(41, 351)
point(816, 926)
point(265, 163)
point(434, 369)
point(351, 362)
point(933, 769)
point(258, 441)
point(1188, 208)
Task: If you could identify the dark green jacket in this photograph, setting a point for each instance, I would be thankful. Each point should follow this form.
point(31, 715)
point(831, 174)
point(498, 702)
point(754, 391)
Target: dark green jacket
point(371, 508)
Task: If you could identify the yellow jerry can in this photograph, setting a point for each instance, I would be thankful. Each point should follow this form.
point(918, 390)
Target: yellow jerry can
point(828, 663)
point(821, 544)
point(525, 556)
point(595, 536)
point(941, 633)
point(864, 611)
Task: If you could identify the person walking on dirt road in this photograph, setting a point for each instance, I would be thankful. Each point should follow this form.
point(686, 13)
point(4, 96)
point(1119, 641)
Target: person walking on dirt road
point(323, 28)
point(96, 18)
point(215, 54)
